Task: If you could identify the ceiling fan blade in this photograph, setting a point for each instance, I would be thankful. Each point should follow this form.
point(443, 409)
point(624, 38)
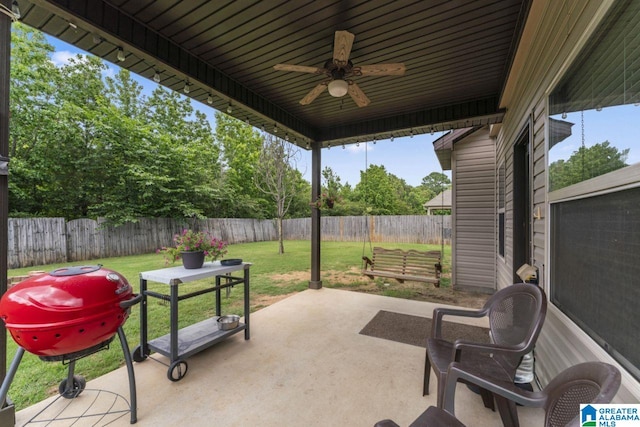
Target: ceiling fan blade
point(342, 47)
point(358, 95)
point(315, 92)
point(380, 70)
point(299, 68)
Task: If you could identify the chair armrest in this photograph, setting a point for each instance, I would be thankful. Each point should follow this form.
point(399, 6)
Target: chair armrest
point(506, 389)
point(367, 261)
point(460, 346)
point(463, 345)
point(440, 312)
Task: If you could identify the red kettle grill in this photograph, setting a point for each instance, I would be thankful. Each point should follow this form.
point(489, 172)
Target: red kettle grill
point(68, 314)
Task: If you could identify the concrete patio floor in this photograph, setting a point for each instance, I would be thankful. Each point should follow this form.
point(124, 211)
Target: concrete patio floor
point(305, 365)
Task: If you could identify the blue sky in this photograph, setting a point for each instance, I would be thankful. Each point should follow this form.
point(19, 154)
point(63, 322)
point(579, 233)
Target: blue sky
point(408, 158)
point(615, 124)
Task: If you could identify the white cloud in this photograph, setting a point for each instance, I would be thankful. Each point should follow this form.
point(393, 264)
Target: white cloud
point(61, 57)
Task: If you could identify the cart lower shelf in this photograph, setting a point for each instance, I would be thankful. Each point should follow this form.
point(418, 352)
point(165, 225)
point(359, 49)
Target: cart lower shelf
point(191, 340)
point(194, 338)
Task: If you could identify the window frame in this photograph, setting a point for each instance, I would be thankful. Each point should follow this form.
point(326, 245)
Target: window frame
point(501, 194)
point(609, 183)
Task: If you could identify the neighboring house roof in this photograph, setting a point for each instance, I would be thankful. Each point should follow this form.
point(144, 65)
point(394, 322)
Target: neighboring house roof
point(441, 201)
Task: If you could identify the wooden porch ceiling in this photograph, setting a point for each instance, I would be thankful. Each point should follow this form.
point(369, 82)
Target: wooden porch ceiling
point(457, 55)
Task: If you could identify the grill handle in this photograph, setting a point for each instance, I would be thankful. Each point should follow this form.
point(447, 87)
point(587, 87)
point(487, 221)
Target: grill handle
point(130, 302)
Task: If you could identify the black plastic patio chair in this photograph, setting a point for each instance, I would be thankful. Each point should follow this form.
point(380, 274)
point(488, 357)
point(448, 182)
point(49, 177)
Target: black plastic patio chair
point(589, 382)
point(516, 315)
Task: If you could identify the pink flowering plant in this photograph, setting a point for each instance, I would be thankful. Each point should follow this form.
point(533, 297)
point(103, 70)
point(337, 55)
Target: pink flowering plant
point(330, 190)
point(193, 241)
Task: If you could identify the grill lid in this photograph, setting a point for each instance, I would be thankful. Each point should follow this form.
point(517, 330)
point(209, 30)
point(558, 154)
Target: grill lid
point(66, 310)
point(74, 271)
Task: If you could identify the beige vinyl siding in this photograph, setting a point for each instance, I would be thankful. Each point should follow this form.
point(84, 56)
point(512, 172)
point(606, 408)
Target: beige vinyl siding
point(539, 177)
point(555, 32)
point(503, 264)
point(474, 210)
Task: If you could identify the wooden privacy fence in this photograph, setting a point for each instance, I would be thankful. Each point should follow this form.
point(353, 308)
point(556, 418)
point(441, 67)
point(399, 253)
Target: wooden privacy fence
point(36, 241)
point(42, 241)
point(392, 229)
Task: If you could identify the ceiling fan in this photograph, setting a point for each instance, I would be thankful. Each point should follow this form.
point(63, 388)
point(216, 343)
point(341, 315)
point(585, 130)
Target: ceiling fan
point(339, 71)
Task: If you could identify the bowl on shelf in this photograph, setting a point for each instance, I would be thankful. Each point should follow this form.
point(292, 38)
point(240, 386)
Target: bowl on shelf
point(228, 322)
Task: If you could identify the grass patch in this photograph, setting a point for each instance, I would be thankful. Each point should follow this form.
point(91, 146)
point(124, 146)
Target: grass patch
point(273, 276)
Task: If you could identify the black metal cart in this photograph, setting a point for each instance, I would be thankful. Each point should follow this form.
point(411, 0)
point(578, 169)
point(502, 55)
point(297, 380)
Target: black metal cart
point(179, 344)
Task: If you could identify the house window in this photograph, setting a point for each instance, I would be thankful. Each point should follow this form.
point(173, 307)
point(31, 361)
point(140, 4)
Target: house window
point(501, 209)
point(594, 110)
point(593, 164)
point(595, 278)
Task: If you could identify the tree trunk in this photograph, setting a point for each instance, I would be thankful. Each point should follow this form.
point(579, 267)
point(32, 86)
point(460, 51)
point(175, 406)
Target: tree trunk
point(280, 237)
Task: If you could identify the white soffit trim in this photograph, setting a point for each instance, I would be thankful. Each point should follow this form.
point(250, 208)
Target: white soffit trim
point(536, 13)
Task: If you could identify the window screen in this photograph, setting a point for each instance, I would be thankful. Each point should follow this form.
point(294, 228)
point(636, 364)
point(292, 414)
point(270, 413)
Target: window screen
point(606, 73)
point(595, 274)
point(594, 109)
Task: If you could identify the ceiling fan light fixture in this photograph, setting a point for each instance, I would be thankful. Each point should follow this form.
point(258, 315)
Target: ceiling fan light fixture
point(338, 88)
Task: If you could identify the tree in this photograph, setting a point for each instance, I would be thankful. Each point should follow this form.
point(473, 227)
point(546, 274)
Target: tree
point(277, 177)
point(125, 93)
point(70, 163)
point(415, 199)
point(586, 163)
point(405, 203)
point(300, 204)
point(32, 117)
point(350, 203)
point(436, 182)
point(241, 145)
point(376, 191)
point(189, 166)
point(87, 146)
point(431, 185)
point(166, 161)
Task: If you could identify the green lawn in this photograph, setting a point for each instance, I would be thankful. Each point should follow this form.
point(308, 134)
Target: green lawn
point(272, 276)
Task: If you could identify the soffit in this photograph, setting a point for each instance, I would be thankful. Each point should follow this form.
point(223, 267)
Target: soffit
point(457, 56)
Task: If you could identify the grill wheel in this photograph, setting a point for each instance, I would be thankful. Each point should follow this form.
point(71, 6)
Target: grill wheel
point(79, 383)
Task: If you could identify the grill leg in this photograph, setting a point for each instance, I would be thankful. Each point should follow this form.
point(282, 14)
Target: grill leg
point(73, 385)
point(9, 377)
point(132, 377)
point(70, 374)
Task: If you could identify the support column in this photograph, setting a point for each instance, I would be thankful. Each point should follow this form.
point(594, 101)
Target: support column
point(7, 411)
point(316, 189)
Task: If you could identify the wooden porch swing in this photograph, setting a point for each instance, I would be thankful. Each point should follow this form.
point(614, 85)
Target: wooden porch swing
point(414, 265)
point(419, 266)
